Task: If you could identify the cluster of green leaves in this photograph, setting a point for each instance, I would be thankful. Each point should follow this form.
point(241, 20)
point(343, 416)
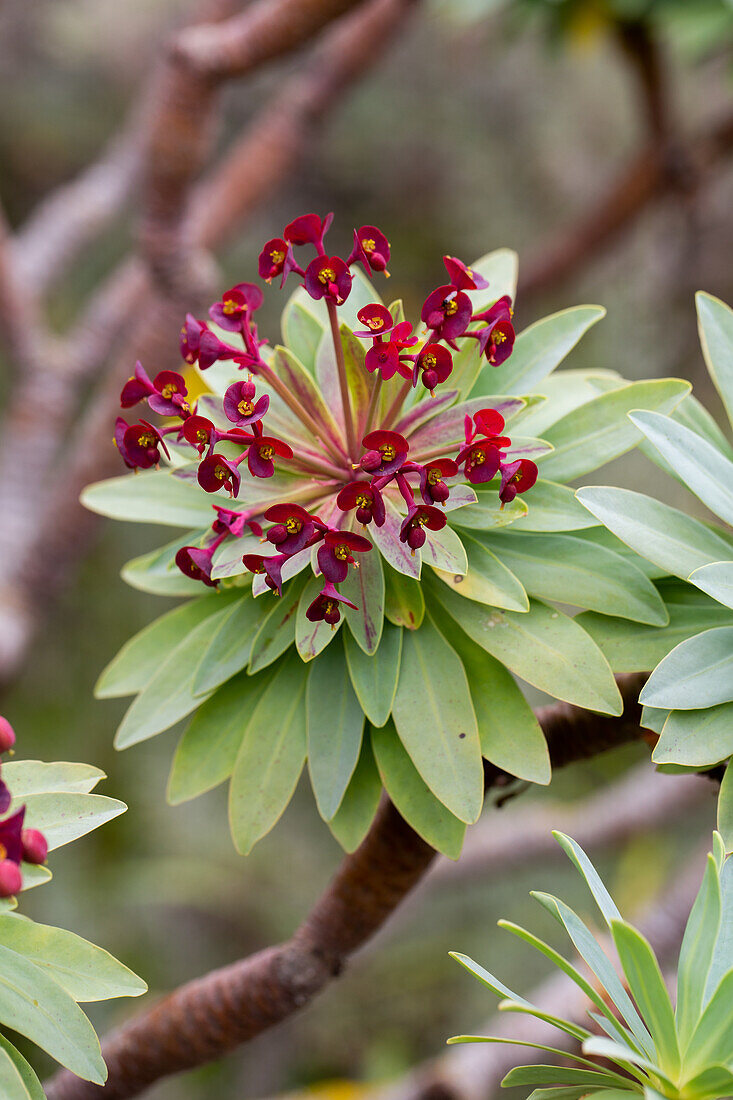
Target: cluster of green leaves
point(664, 1053)
point(420, 683)
point(688, 700)
point(46, 972)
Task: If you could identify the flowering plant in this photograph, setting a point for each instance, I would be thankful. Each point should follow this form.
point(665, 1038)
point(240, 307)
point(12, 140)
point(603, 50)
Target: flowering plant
point(647, 1047)
point(406, 483)
point(46, 972)
point(688, 699)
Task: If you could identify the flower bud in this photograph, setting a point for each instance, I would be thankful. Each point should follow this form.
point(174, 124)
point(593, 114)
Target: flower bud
point(415, 538)
point(7, 735)
point(11, 879)
point(35, 846)
point(439, 491)
point(277, 534)
point(372, 460)
point(430, 379)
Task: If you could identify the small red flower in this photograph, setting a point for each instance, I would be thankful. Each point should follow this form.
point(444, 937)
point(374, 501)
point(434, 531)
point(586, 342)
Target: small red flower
point(377, 318)
point(240, 406)
point(216, 471)
point(196, 563)
point(7, 737)
point(500, 311)
point(496, 341)
point(432, 485)
point(383, 356)
point(481, 460)
point(516, 477)
point(328, 277)
point(462, 277)
point(169, 396)
point(236, 306)
point(293, 527)
point(367, 500)
point(326, 605)
point(261, 452)
point(308, 229)
point(417, 519)
point(335, 554)
point(200, 431)
point(447, 312)
point(190, 338)
point(386, 451)
point(35, 846)
point(432, 366)
point(234, 523)
point(277, 258)
point(211, 349)
point(371, 248)
point(138, 444)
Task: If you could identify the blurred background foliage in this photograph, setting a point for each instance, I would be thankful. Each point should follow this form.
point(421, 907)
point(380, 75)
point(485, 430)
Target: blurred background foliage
point(487, 123)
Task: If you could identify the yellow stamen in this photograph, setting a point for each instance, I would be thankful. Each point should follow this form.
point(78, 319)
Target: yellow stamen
point(230, 306)
point(276, 256)
point(246, 408)
point(326, 276)
point(368, 244)
point(341, 552)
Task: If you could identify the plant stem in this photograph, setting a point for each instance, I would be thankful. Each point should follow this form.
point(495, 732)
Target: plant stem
point(351, 441)
point(305, 417)
point(373, 403)
point(397, 404)
point(318, 466)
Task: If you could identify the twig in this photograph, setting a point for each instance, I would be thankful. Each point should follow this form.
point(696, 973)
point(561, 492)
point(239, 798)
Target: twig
point(211, 1016)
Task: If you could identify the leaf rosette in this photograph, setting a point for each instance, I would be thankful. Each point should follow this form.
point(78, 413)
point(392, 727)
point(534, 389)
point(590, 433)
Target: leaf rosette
point(417, 528)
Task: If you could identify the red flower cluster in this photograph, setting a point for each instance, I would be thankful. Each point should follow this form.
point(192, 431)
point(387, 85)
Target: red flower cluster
point(296, 532)
point(16, 843)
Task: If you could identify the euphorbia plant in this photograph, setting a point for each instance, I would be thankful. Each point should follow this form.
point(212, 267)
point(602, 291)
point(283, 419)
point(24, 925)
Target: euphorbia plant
point(368, 473)
point(648, 1046)
point(45, 972)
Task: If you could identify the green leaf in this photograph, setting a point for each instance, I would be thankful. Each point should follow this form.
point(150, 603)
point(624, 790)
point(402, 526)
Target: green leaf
point(500, 268)
point(365, 587)
point(277, 632)
point(34, 1005)
point(510, 735)
point(271, 756)
point(374, 679)
point(351, 822)
point(138, 660)
point(169, 695)
point(544, 647)
point(25, 777)
point(701, 466)
point(553, 507)
point(696, 736)
point(229, 647)
point(574, 571)
point(404, 603)
point(335, 723)
point(714, 1082)
point(488, 580)
point(601, 536)
point(697, 673)
point(301, 331)
point(207, 750)
point(17, 1079)
point(304, 390)
point(436, 722)
point(312, 638)
point(696, 953)
point(711, 1039)
point(444, 550)
point(600, 430)
point(647, 987)
point(716, 580)
point(538, 350)
point(715, 325)
point(153, 496)
point(595, 958)
point(86, 972)
point(673, 541)
point(489, 980)
point(63, 816)
point(633, 647)
point(580, 861)
point(412, 797)
point(546, 1075)
point(725, 810)
point(564, 391)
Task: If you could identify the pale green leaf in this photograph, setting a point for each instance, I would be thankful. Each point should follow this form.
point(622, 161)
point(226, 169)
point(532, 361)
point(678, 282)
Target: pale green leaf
point(335, 724)
point(17, 1079)
point(647, 987)
point(311, 638)
point(716, 580)
point(436, 721)
point(374, 678)
point(698, 737)
point(26, 777)
point(696, 673)
point(153, 496)
point(277, 632)
point(404, 601)
point(553, 507)
point(228, 649)
point(271, 756)
point(365, 587)
point(696, 953)
point(725, 812)
point(63, 816)
point(354, 816)
point(413, 799)
point(301, 331)
point(715, 325)
point(488, 580)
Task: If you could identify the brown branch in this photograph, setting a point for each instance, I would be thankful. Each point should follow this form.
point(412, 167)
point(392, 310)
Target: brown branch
point(211, 1016)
